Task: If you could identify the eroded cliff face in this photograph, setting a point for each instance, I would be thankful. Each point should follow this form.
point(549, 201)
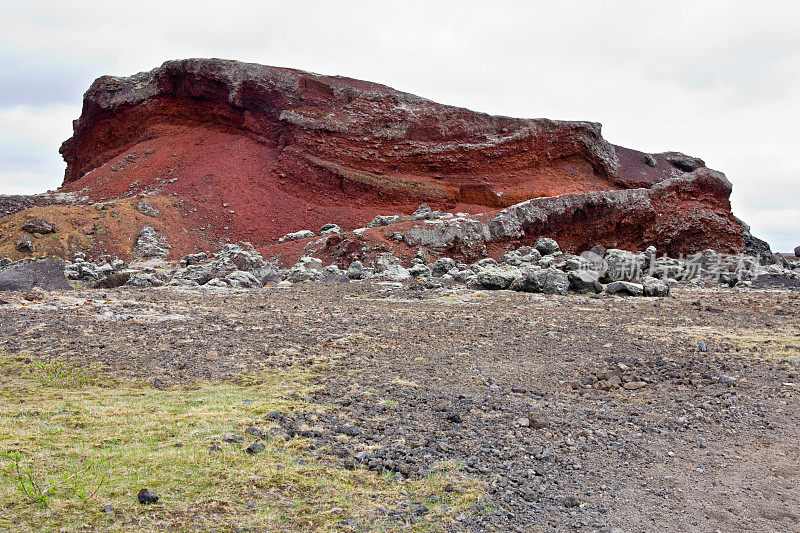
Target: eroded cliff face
point(314, 127)
point(691, 208)
point(249, 152)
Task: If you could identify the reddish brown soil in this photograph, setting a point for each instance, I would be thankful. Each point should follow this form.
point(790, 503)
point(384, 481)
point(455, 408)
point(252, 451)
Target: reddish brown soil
point(96, 232)
point(289, 150)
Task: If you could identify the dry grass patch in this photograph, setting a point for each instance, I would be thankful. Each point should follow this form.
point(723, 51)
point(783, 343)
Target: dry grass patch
point(73, 442)
point(779, 342)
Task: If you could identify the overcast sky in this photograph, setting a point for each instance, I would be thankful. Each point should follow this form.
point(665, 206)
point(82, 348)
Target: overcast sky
point(716, 79)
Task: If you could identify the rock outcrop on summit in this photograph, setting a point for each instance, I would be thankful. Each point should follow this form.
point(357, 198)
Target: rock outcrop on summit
point(243, 152)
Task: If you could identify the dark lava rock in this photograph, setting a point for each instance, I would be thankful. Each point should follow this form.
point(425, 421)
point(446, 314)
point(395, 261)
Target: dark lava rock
point(454, 417)
point(584, 282)
point(420, 510)
point(684, 162)
point(254, 448)
point(625, 288)
point(47, 274)
point(147, 496)
point(25, 244)
point(775, 281)
point(257, 433)
point(37, 225)
point(797, 251)
point(347, 430)
point(546, 246)
point(571, 501)
point(112, 281)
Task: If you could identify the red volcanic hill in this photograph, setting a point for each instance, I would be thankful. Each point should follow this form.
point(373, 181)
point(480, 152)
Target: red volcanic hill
point(240, 151)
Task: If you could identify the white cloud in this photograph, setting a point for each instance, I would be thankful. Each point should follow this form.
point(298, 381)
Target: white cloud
point(29, 142)
point(27, 182)
point(714, 78)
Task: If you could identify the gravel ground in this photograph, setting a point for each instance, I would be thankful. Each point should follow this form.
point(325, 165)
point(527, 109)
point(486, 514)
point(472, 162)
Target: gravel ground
point(580, 412)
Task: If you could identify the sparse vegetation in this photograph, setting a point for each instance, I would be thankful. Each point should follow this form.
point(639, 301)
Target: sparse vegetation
point(74, 441)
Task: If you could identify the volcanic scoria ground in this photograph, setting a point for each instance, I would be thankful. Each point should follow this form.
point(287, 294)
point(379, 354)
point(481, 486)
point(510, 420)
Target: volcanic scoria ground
point(579, 412)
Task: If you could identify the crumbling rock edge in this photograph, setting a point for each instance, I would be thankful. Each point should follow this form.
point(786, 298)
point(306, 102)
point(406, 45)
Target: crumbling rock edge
point(630, 217)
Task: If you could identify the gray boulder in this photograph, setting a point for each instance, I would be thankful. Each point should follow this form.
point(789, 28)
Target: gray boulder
point(625, 288)
point(683, 162)
point(333, 274)
point(423, 212)
point(383, 220)
point(487, 262)
point(266, 273)
point(242, 256)
point(47, 274)
point(194, 274)
point(622, 265)
point(297, 236)
point(461, 275)
point(497, 277)
point(554, 281)
point(530, 280)
point(521, 257)
point(242, 280)
point(655, 287)
point(780, 260)
point(797, 252)
point(420, 258)
point(666, 268)
point(306, 268)
point(574, 262)
point(37, 225)
point(147, 209)
point(396, 273)
point(25, 245)
point(546, 246)
point(178, 282)
point(544, 280)
point(84, 270)
point(239, 256)
point(193, 259)
point(420, 270)
point(330, 229)
point(150, 244)
point(144, 279)
point(355, 270)
point(585, 281)
point(442, 266)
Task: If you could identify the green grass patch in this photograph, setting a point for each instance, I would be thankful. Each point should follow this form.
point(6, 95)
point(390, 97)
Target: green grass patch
point(73, 441)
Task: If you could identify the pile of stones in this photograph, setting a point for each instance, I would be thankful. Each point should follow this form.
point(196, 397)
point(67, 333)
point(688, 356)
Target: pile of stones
point(542, 268)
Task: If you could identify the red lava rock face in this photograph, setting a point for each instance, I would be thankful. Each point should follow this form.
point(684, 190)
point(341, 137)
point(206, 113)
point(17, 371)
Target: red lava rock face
point(249, 152)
